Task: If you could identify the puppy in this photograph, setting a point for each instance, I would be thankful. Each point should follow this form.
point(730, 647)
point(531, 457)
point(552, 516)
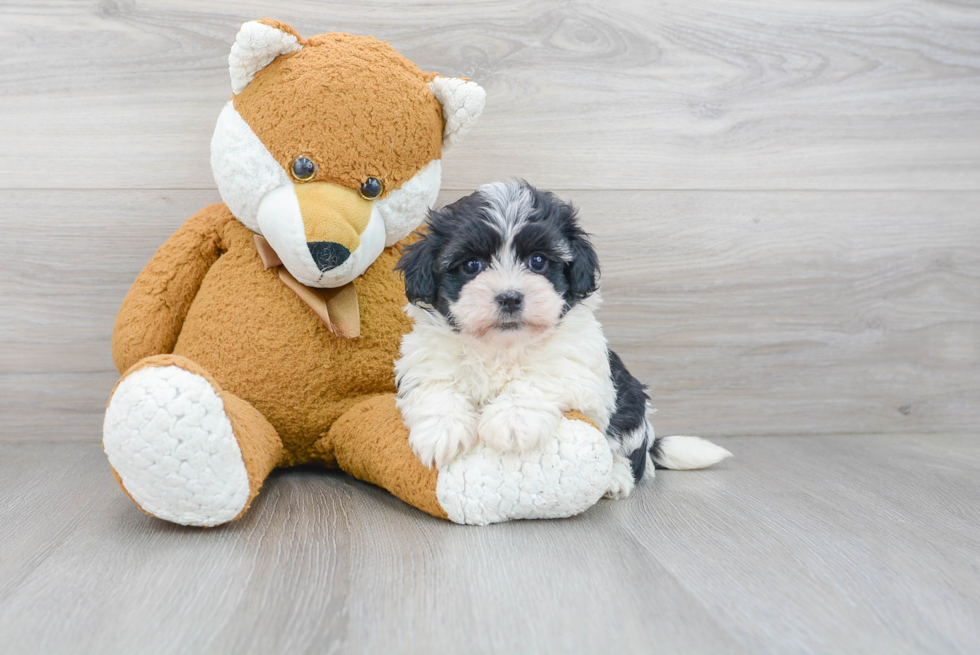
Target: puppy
point(503, 290)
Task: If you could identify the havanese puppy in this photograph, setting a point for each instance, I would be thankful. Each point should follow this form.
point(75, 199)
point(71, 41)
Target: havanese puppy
point(503, 290)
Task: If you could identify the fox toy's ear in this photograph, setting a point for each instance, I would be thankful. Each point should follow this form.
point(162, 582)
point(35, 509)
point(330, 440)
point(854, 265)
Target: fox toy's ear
point(257, 44)
point(462, 103)
point(418, 265)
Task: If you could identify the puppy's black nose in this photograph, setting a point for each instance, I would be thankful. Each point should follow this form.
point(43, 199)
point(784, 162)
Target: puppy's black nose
point(510, 302)
point(327, 254)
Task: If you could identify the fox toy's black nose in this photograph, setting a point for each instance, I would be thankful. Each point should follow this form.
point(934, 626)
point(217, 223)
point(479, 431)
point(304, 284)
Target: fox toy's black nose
point(328, 255)
point(510, 302)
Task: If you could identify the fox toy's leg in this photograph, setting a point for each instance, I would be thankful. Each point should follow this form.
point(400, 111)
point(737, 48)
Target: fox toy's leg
point(566, 476)
point(183, 449)
point(371, 443)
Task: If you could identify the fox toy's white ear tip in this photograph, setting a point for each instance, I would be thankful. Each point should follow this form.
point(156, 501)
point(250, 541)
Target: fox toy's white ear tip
point(462, 104)
point(256, 45)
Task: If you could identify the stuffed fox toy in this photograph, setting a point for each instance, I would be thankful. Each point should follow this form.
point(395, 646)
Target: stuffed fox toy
point(262, 334)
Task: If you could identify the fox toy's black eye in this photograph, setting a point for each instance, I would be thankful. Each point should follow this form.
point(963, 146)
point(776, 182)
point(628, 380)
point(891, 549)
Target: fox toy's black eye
point(371, 189)
point(472, 266)
point(537, 263)
point(303, 169)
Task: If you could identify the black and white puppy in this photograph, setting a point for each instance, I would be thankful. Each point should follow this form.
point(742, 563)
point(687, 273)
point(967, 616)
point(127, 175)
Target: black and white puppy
point(503, 289)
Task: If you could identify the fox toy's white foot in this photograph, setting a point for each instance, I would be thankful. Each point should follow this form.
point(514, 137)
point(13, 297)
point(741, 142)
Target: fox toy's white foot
point(563, 476)
point(171, 442)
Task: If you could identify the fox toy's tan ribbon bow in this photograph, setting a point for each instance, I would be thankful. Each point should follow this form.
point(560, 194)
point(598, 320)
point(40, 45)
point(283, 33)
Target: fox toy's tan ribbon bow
point(337, 308)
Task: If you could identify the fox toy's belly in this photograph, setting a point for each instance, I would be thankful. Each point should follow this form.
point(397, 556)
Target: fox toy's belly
point(260, 341)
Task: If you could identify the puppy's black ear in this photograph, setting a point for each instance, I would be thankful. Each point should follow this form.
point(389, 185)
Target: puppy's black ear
point(583, 269)
point(418, 266)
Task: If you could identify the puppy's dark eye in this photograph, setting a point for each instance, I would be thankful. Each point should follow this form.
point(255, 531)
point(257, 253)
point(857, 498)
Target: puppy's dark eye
point(537, 263)
point(472, 266)
point(303, 169)
point(371, 188)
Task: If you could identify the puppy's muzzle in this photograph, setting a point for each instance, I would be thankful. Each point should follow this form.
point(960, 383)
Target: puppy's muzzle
point(510, 302)
point(334, 217)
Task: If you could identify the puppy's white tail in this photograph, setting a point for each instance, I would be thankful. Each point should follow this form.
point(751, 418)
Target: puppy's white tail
point(686, 453)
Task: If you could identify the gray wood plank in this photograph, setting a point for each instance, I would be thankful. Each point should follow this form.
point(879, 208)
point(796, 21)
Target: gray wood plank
point(318, 566)
point(798, 545)
point(576, 587)
point(68, 259)
point(813, 313)
point(622, 94)
point(843, 543)
point(121, 581)
point(32, 488)
point(746, 313)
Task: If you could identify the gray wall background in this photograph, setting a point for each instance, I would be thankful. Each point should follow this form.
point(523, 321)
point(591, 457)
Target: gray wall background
point(785, 195)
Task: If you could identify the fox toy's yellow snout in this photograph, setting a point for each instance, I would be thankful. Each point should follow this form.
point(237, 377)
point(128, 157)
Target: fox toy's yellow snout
point(334, 218)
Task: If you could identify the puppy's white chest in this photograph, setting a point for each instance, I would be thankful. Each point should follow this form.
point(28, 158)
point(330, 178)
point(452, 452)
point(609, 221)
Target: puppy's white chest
point(492, 376)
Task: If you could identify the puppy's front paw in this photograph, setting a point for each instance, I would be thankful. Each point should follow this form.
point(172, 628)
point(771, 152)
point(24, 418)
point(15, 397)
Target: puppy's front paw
point(507, 427)
point(436, 441)
point(622, 483)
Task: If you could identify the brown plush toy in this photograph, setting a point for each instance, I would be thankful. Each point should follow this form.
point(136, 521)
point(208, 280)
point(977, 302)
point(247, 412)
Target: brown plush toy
point(262, 334)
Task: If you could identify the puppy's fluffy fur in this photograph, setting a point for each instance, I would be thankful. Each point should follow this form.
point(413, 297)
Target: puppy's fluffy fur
point(503, 289)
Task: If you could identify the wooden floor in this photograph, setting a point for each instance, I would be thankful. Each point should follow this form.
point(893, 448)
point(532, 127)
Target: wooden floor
point(844, 544)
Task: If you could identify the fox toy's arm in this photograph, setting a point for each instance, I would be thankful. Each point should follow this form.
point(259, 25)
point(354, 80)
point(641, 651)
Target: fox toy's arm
point(154, 310)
